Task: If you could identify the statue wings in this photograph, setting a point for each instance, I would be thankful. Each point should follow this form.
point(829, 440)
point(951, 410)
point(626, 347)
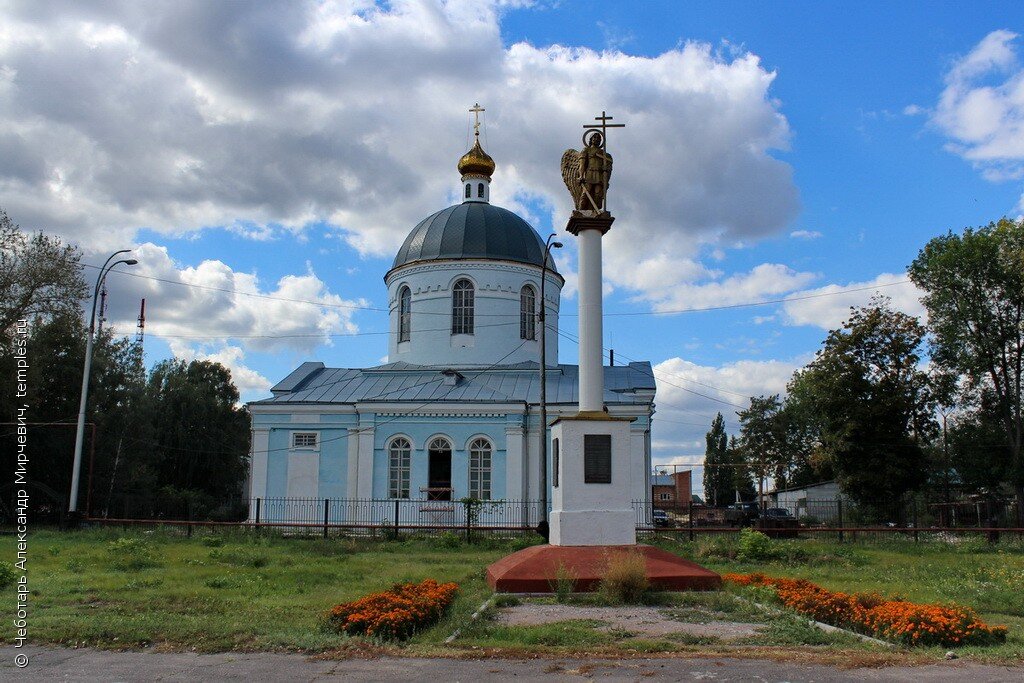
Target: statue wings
point(572, 174)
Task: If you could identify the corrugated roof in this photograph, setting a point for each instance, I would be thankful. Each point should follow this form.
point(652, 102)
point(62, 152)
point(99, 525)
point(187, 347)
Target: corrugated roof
point(395, 382)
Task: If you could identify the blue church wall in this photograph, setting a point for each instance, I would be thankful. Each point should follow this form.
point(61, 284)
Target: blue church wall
point(459, 432)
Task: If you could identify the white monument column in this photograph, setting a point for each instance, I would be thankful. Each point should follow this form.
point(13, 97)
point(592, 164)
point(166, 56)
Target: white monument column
point(592, 485)
point(591, 330)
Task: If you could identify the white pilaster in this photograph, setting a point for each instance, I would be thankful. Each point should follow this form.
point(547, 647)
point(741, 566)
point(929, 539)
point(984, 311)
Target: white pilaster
point(590, 322)
point(352, 480)
point(514, 476)
point(258, 468)
point(365, 478)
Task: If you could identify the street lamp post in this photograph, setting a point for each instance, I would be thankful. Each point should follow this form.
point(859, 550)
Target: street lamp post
point(79, 434)
point(542, 318)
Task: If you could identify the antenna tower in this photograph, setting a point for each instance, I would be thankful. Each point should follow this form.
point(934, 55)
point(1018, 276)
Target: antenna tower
point(140, 333)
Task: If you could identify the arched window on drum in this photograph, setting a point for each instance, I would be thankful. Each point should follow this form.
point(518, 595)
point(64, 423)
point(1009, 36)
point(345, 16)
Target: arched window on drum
point(462, 307)
point(404, 314)
point(527, 313)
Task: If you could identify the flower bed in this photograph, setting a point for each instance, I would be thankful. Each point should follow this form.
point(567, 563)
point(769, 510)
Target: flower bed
point(872, 614)
point(396, 613)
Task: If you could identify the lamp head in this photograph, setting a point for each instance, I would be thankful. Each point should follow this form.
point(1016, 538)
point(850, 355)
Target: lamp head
point(131, 262)
point(556, 245)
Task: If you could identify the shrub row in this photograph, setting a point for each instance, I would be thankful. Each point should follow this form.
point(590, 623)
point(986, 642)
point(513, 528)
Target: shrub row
point(396, 613)
point(896, 620)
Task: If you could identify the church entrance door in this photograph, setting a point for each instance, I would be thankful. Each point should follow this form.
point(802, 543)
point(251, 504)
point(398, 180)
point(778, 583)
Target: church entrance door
point(439, 470)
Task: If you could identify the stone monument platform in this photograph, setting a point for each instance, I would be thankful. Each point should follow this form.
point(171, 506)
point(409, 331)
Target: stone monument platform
point(533, 570)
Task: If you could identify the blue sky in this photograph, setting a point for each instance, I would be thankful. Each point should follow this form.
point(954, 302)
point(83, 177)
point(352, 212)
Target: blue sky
point(771, 151)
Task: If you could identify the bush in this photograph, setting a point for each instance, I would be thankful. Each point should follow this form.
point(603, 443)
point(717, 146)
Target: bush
point(447, 541)
point(565, 583)
point(131, 554)
point(869, 613)
point(394, 614)
point(625, 581)
point(7, 575)
point(755, 547)
point(212, 541)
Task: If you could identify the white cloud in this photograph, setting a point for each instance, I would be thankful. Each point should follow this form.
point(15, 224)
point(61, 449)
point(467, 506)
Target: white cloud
point(190, 115)
point(805, 234)
point(829, 312)
point(711, 289)
point(210, 303)
point(981, 108)
point(689, 396)
point(250, 384)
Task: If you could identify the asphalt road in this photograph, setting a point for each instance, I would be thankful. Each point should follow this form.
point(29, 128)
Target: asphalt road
point(63, 664)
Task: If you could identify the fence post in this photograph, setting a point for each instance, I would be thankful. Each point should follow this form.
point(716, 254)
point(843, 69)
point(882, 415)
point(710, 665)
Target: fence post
point(396, 518)
point(839, 517)
point(188, 506)
point(469, 530)
point(327, 514)
point(689, 517)
point(259, 502)
point(915, 521)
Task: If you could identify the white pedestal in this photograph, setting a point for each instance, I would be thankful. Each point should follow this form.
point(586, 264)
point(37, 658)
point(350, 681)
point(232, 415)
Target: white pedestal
point(591, 513)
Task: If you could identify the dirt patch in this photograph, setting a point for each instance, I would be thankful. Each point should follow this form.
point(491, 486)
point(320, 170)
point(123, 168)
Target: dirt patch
point(647, 621)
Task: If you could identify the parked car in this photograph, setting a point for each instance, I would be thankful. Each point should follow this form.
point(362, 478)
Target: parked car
point(777, 513)
point(778, 523)
point(661, 518)
point(742, 514)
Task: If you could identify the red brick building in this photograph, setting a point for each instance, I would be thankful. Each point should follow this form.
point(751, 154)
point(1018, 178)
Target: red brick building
point(671, 491)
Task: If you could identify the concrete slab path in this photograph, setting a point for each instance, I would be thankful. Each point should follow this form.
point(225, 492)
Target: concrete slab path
point(63, 664)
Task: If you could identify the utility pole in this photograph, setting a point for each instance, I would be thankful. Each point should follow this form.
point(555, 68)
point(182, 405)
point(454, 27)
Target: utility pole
point(542, 526)
point(76, 470)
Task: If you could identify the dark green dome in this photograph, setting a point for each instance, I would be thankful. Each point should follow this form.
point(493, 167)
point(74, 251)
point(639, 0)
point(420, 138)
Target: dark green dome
point(473, 230)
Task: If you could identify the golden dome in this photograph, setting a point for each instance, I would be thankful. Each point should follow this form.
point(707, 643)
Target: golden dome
point(476, 162)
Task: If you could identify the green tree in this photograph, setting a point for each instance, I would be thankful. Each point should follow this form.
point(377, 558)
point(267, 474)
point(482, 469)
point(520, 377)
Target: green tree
point(763, 435)
point(742, 480)
point(718, 475)
point(974, 293)
point(873, 403)
point(39, 276)
point(200, 435)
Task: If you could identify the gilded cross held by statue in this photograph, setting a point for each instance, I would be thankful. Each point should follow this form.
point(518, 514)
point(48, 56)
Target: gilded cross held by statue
point(603, 126)
point(476, 109)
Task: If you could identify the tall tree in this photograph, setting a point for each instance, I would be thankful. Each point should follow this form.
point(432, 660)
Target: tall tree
point(200, 433)
point(974, 294)
point(718, 475)
point(873, 403)
point(742, 479)
point(39, 275)
point(763, 435)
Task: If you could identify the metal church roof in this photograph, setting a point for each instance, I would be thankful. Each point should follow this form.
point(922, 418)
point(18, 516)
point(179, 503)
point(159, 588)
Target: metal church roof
point(396, 382)
point(473, 230)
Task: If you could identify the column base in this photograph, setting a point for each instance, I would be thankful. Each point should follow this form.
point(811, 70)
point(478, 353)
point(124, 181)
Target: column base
point(593, 527)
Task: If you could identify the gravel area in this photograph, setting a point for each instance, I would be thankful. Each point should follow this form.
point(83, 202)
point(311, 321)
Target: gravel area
point(649, 621)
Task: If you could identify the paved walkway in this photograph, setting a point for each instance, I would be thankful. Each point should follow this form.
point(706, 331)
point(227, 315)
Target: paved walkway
point(61, 664)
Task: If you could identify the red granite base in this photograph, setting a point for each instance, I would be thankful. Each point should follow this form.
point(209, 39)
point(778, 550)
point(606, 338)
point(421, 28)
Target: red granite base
point(533, 569)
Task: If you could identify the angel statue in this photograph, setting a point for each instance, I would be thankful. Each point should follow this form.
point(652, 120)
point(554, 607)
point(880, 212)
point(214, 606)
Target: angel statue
point(586, 173)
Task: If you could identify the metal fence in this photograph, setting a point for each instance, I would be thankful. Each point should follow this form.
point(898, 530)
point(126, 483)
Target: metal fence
point(391, 517)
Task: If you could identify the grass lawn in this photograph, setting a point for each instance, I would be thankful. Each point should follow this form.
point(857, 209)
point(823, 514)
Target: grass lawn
point(239, 591)
point(224, 591)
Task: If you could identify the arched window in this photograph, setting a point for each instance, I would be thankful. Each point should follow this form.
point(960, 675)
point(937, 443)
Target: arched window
point(404, 314)
point(527, 313)
point(399, 453)
point(462, 307)
point(439, 469)
point(480, 469)
point(469, 190)
point(480, 190)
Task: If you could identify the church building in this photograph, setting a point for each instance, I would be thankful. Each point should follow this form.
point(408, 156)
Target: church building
point(455, 412)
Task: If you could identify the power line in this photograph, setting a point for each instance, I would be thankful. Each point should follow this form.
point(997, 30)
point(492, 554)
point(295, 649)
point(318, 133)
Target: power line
point(357, 307)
